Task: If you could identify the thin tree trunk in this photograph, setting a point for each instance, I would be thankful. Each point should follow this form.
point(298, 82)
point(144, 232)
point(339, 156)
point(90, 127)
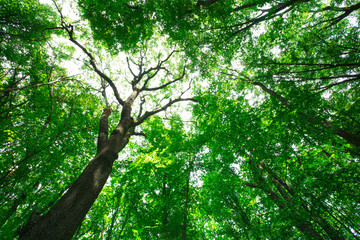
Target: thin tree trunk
point(113, 219)
point(125, 221)
point(14, 207)
point(281, 185)
point(184, 235)
point(300, 223)
point(165, 211)
point(349, 137)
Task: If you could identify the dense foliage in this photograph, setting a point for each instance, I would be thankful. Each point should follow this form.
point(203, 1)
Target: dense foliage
point(244, 118)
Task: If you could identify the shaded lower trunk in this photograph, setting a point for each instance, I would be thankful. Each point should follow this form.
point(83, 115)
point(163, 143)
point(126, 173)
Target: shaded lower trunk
point(66, 216)
point(62, 220)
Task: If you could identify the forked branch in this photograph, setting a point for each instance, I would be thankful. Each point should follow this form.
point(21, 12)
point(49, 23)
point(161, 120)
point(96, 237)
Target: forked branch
point(70, 31)
point(147, 114)
point(166, 84)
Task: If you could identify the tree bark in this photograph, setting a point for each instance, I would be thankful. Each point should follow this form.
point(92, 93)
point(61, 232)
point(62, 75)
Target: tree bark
point(64, 218)
point(103, 130)
point(350, 138)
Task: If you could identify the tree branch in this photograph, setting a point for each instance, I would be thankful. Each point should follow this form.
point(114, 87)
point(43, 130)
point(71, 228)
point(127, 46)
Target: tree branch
point(271, 13)
point(128, 63)
point(141, 105)
point(347, 11)
point(147, 114)
point(142, 73)
point(272, 194)
point(244, 7)
point(139, 134)
point(355, 77)
point(167, 84)
point(70, 31)
point(152, 76)
point(349, 137)
point(272, 93)
point(35, 85)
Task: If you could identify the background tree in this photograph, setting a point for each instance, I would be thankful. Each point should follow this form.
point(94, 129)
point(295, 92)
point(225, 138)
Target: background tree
point(269, 170)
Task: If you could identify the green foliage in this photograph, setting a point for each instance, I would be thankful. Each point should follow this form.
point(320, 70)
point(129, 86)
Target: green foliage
point(271, 150)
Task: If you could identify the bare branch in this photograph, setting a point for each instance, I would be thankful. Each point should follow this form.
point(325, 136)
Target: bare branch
point(142, 73)
point(147, 114)
point(272, 93)
point(272, 194)
point(139, 134)
point(141, 106)
point(167, 58)
point(244, 7)
point(70, 30)
point(346, 12)
point(167, 84)
point(338, 83)
point(186, 89)
point(140, 76)
point(262, 86)
point(152, 76)
point(103, 92)
point(59, 10)
point(128, 63)
point(350, 138)
point(184, 121)
point(276, 11)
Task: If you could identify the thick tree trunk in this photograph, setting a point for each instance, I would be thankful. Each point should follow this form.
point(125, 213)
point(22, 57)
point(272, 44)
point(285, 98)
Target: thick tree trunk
point(66, 216)
point(103, 130)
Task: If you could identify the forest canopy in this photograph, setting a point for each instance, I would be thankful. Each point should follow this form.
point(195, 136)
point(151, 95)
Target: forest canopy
point(179, 119)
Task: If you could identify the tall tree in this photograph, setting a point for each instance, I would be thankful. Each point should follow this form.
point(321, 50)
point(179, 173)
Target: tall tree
point(65, 217)
point(269, 169)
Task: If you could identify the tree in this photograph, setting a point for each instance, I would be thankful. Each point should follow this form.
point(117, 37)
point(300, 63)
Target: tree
point(68, 212)
point(65, 217)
